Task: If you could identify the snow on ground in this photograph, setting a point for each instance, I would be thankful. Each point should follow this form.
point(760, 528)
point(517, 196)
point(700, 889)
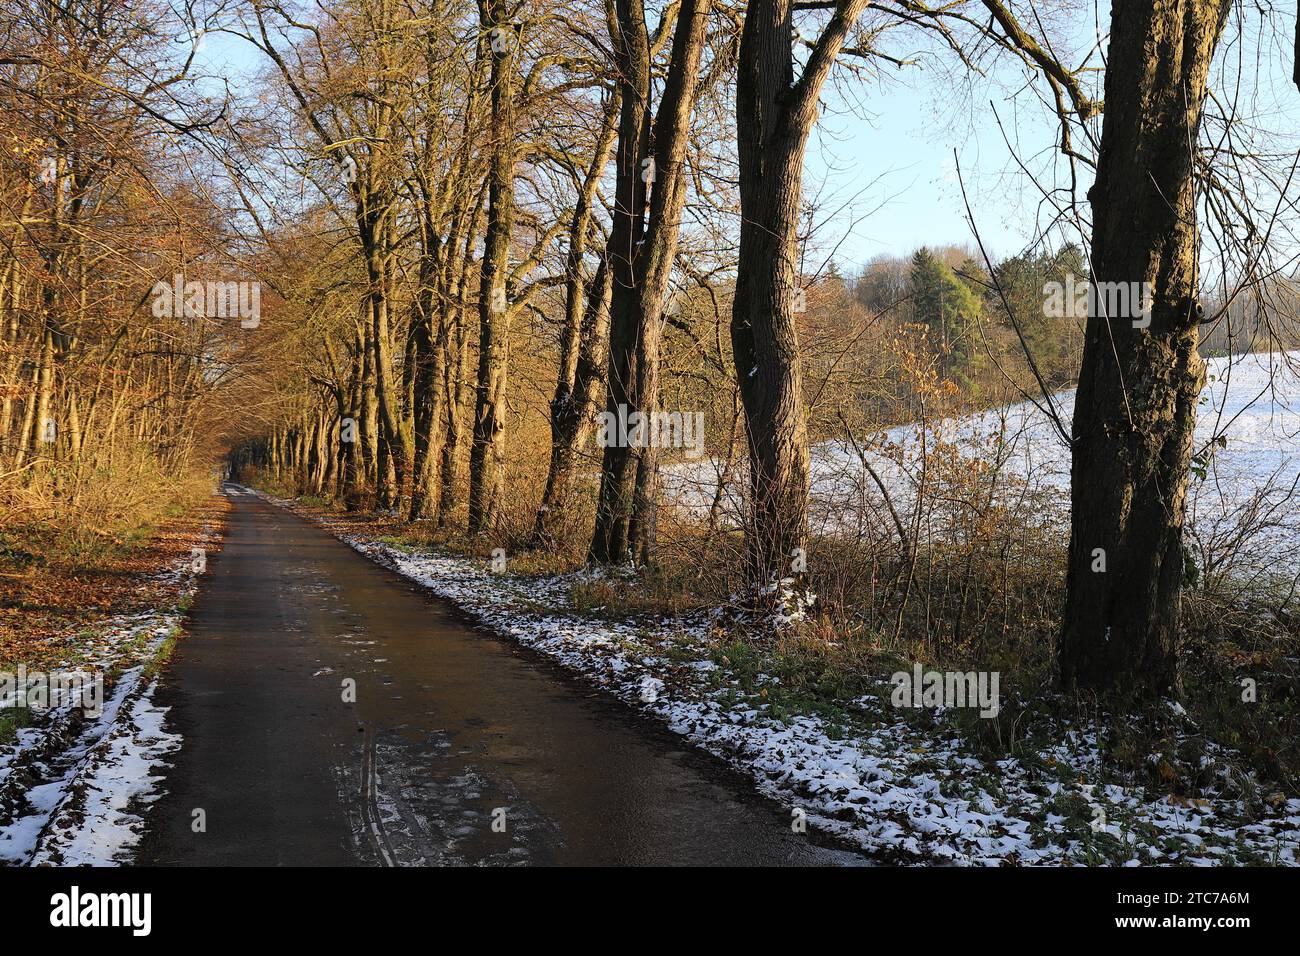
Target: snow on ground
point(891, 789)
point(73, 784)
point(1252, 401)
point(101, 821)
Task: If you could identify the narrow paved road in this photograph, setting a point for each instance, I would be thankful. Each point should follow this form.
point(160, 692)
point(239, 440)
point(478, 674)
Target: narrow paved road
point(459, 749)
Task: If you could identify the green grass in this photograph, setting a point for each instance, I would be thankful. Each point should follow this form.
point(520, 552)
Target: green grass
point(153, 667)
point(13, 720)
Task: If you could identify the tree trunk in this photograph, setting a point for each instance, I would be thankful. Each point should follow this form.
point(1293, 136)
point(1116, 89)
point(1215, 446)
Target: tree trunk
point(650, 195)
point(455, 410)
point(458, 391)
point(583, 345)
point(1138, 386)
point(671, 135)
point(486, 452)
point(391, 441)
point(774, 115)
point(429, 392)
point(609, 543)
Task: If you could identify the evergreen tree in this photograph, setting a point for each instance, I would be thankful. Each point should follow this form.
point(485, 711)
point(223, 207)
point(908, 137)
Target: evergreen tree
point(1024, 281)
point(950, 310)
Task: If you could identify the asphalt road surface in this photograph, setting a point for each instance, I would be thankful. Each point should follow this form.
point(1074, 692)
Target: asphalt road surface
point(458, 748)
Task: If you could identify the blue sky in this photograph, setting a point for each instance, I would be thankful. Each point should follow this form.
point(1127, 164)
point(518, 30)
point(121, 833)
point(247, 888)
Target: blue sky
point(884, 162)
point(896, 142)
point(897, 170)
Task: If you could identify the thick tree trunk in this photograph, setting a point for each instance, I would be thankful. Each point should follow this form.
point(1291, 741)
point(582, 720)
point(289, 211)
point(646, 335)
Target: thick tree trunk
point(392, 443)
point(487, 465)
point(368, 421)
point(352, 465)
point(1138, 386)
point(609, 543)
point(459, 394)
point(774, 115)
point(572, 408)
point(650, 195)
point(455, 410)
point(671, 135)
point(765, 344)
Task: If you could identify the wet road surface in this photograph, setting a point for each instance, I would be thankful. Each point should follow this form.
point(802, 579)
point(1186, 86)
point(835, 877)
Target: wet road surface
point(458, 749)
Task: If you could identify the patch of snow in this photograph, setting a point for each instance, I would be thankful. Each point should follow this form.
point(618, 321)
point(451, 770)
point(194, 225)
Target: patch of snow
point(102, 821)
point(72, 786)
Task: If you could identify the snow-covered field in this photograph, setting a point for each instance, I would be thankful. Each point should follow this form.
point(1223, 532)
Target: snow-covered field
point(882, 784)
point(1251, 401)
point(72, 784)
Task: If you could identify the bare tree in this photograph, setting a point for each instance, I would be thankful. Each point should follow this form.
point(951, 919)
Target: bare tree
point(485, 464)
point(775, 112)
point(585, 339)
point(649, 196)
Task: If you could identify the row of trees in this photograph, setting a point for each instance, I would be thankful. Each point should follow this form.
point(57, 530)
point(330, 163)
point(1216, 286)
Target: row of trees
point(980, 325)
point(1131, 455)
point(516, 160)
point(452, 208)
